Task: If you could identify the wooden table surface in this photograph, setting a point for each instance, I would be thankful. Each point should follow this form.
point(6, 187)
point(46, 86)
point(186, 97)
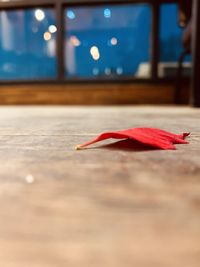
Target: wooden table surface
point(111, 206)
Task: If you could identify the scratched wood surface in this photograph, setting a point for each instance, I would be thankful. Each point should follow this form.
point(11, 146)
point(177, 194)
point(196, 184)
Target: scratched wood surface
point(110, 206)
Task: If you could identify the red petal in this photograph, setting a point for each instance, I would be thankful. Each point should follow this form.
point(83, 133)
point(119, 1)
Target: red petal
point(149, 136)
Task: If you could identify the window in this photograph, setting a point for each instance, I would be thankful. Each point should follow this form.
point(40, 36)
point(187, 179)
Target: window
point(96, 41)
point(27, 44)
point(107, 41)
point(171, 42)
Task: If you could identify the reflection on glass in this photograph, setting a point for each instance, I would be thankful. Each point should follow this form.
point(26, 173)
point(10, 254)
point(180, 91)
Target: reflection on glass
point(171, 42)
point(107, 41)
point(27, 44)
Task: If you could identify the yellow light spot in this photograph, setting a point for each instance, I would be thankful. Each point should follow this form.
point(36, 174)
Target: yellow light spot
point(47, 36)
point(94, 51)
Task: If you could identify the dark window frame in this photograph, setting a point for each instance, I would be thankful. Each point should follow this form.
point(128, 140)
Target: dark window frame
point(59, 6)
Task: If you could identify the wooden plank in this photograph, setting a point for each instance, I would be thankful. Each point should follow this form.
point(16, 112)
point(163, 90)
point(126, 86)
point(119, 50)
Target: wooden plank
point(110, 206)
point(91, 94)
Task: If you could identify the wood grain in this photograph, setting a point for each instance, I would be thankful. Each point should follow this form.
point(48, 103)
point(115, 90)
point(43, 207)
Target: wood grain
point(91, 94)
point(110, 206)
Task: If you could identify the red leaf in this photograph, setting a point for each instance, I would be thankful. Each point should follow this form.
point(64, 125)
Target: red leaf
point(156, 138)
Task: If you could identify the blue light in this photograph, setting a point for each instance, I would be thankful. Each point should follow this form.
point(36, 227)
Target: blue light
point(71, 14)
point(107, 13)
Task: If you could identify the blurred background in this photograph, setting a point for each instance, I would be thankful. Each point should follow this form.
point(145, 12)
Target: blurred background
point(73, 44)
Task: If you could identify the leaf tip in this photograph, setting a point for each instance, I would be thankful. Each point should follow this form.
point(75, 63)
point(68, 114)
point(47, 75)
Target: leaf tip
point(186, 134)
point(78, 147)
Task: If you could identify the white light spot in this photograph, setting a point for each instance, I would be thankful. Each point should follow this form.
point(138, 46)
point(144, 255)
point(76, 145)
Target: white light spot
point(39, 14)
point(29, 179)
point(94, 51)
point(113, 41)
point(52, 29)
